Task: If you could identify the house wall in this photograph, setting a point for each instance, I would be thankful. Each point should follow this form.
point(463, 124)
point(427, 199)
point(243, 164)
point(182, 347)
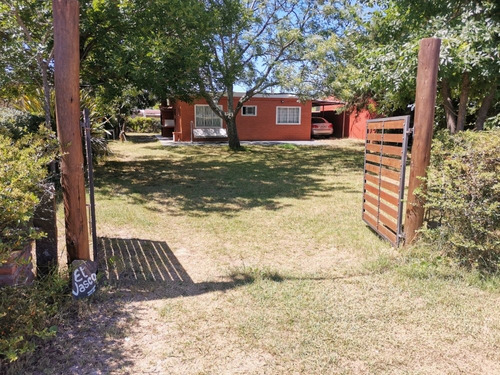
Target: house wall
point(262, 127)
point(356, 123)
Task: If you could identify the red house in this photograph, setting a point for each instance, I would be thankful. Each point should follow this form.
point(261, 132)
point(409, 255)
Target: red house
point(265, 117)
point(269, 117)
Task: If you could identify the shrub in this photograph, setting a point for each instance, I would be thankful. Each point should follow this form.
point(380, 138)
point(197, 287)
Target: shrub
point(29, 314)
point(15, 124)
point(143, 125)
point(463, 198)
point(22, 171)
point(98, 123)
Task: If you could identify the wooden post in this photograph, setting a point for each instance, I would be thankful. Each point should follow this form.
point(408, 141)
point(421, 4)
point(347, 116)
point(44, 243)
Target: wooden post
point(67, 85)
point(425, 102)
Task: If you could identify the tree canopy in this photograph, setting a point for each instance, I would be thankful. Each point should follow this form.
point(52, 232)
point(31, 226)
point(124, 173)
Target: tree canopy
point(210, 46)
point(188, 48)
point(379, 57)
point(26, 49)
point(252, 43)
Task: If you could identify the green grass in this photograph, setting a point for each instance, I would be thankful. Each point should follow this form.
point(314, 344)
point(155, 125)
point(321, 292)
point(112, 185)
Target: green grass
point(258, 262)
point(322, 291)
point(265, 195)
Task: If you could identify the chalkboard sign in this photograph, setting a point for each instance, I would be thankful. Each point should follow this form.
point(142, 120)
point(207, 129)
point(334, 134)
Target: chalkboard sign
point(84, 277)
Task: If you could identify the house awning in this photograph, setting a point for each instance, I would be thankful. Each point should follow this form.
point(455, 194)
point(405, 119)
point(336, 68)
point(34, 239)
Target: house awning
point(317, 103)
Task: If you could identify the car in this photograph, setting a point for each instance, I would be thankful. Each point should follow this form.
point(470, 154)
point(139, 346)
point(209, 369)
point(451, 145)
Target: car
point(321, 126)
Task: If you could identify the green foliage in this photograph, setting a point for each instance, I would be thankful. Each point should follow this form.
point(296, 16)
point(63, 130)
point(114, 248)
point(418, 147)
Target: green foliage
point(26, 47)
point(493, 122)
point(33, 102)
point(219, 44)
point(98, 122)
point(106, 32)
point(23, 168)
point(463, 198)
point(143, 125)
point(378, 56)
point(15, 124)
point(28, 315)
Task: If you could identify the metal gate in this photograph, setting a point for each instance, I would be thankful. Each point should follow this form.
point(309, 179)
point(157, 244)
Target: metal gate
point(384, 176)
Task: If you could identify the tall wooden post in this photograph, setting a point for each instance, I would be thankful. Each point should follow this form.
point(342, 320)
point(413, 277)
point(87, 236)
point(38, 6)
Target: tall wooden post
point(425, 102)
point(67, 85)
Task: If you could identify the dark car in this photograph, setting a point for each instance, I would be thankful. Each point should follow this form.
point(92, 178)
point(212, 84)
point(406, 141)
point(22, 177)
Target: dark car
point(320, 126)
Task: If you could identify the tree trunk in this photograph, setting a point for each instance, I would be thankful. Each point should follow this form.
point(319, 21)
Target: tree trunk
point(46, 95)
point(122, 127)
point(485, 106)
point(230, 118)
point(464, 98)
point(232, 133)
point(43, 66)
point(451, 118)
point(45, 219)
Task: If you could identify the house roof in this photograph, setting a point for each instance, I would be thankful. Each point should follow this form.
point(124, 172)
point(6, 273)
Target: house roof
point(315, 102)
point(329, 101)
point(265, 95)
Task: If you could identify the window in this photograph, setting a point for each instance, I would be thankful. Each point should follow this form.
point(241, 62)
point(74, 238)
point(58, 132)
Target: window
point(249, 110)
point(204, 117)
point(288, 115)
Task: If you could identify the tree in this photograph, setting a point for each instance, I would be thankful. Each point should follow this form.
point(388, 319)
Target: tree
point(218, 44)
point(27, 48)
point(381, 56)
point(106, 33)
point(26, 51)
point(253, 42)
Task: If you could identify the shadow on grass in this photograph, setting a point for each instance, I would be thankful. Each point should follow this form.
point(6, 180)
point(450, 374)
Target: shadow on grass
point(198, 180)
point(152, 271)
point(141, 138)
point(152, 265)
point(93, 340)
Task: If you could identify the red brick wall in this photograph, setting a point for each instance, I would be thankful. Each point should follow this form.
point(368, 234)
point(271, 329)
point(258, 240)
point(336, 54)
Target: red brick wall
point(262, 127)
point(19, 267)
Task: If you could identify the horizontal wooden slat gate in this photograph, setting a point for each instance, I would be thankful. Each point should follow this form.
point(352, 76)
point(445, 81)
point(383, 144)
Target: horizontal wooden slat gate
point(384, 175)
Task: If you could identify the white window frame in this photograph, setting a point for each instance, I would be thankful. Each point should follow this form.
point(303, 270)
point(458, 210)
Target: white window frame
point(249, 106)
point(288, 123)
point(215, 115)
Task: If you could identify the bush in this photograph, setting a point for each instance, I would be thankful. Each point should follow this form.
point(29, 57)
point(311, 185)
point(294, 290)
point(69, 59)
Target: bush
point(143, 125)
point(463, 198)
point(23, 168)
point(15, 124)
point(28, 315)
point(98, 124)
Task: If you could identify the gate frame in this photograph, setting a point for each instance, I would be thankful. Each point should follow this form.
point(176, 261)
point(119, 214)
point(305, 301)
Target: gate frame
point(406, 132)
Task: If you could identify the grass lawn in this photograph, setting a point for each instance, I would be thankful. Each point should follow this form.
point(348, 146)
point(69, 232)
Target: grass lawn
point(257, 262)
